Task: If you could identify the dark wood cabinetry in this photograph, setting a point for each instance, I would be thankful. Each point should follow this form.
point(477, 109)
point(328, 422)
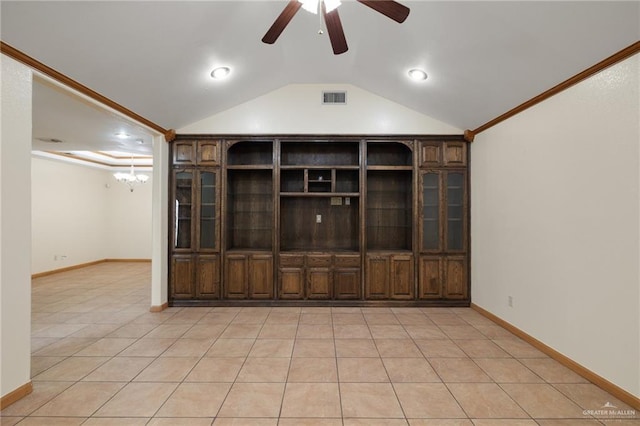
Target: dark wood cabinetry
point(319, 220)
point(192, 153)
point(443, 277)
point(389, 276)
point(443, 231)
point(319, 276)
point(194, 223)
point(248, 276)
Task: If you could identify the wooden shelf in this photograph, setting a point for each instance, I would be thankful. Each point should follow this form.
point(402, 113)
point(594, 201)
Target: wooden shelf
point(390, 168)
point(251, 167)
point(315, 167)
point(320, 194)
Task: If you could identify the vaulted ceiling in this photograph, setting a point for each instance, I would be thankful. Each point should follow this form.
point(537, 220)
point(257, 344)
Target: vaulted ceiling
point(482, 58)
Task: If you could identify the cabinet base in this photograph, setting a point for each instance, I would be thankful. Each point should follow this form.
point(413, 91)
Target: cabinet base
point(325, 303)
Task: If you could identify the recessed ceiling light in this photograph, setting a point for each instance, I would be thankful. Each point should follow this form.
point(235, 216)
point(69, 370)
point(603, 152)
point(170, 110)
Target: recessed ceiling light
point(417, 74)
point(220, 73)
point(122, 135)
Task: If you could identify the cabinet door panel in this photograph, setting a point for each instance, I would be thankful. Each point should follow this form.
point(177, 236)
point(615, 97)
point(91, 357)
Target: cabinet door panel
point(455, 154)
point(319, 283)
point(347, 283)
point(181, 286)
point(430, 280)
point(208, 153)
point(402, 284)
point(208, 277)
point(182, 209)
point(291, 283)
point(377, 284)
point(430, 154)
point(261, 277)
point(184, 153)
point(455, 277)
point(430, 212)
point(208, 210)
point(236, 274)
point(455, 212)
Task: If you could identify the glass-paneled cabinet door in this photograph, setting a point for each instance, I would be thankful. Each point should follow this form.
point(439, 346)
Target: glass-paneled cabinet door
point(455, 211)
point(430, 216)
point(208, 214)
point(183, 209)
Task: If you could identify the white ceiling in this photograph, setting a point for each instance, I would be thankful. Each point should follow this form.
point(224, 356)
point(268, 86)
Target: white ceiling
point(483, 58)
point(81, 125)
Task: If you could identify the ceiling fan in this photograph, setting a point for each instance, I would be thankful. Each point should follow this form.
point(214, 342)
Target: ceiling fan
point(389, 8)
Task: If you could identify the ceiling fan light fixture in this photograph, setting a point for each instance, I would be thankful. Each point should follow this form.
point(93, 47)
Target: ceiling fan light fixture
point(417, 74)
point(312, 5)
point(331, 4)
point(220, 73)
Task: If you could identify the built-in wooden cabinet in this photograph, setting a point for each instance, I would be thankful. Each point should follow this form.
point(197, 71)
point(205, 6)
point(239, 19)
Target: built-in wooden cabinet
point(442, 277)
point(195, 228)
point(442, 154)
point(319, 220)
point(248, 276)
point(319, 276)
point(192, 153)
point(443, 231)
point(389, 276)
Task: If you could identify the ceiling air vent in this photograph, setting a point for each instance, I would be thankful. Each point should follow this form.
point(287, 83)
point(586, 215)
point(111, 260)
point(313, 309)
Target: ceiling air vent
point(334, 98)
point(50, 140)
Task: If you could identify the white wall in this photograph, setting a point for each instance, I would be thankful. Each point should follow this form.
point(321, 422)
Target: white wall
point(555, 223)
point(75, 214)
point(129, 220)
point(15, 226)
point(297, 108)
point(160, 223)
point(69, 214)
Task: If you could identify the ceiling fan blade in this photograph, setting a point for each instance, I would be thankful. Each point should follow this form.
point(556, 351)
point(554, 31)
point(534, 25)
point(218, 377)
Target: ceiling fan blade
point(334, 28)
point(388, 8)
point(281, 22)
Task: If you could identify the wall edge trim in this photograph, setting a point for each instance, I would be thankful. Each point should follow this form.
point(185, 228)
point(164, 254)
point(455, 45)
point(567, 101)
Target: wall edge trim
point(619, 56)
point(601, 382)
point(22, 57)
point(159, 308)
point(16, 395)
point(84, 265)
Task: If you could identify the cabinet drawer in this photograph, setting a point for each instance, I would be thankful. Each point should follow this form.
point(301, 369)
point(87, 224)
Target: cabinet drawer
point(291, 260)
point(347, 261)
point(319, 260)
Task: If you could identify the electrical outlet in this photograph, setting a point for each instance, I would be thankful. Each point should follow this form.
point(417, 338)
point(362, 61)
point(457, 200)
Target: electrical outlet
point(318, 218)
point(510, 301)
point(347, 201)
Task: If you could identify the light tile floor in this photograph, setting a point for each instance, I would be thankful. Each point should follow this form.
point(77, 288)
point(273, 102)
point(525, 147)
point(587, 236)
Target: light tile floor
point(101, 358)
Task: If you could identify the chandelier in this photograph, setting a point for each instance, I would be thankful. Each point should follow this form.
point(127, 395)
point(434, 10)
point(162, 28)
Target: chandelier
point(131, 179)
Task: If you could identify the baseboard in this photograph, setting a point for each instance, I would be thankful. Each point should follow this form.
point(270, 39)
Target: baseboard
point(84, 265)
point(594, 378)
point(68, 268)
point(156, 308)
point(16, 395)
